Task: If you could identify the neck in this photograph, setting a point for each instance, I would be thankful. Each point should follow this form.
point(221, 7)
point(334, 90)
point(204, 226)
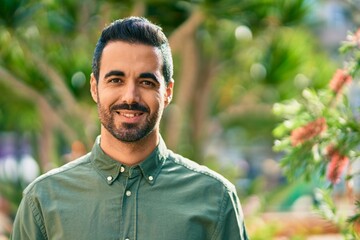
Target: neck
point(128, 153)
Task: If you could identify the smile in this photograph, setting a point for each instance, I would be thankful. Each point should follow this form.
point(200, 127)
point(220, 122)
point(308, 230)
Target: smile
point(129, 115)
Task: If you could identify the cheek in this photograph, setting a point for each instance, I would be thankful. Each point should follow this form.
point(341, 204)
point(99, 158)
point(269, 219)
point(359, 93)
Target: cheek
point(106, 98)
point(160, 101)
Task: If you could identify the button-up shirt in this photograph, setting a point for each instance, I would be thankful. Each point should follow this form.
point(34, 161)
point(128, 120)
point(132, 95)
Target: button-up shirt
point(164, 197)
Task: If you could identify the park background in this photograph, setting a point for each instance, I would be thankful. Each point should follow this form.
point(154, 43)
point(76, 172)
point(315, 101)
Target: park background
point(234, 59)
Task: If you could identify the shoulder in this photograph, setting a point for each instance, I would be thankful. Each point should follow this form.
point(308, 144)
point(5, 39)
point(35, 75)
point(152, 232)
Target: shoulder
point(57, 173)
point(200, 171)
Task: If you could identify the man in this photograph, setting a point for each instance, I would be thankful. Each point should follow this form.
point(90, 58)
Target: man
point(130, 186)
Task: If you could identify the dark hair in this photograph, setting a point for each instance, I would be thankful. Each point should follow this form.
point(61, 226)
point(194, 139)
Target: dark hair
point(134, 30)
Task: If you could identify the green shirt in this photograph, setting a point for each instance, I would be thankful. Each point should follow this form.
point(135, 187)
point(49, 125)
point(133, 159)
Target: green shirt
point(164, 197)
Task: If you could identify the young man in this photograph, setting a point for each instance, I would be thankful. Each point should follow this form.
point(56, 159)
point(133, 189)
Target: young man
point(130, 186)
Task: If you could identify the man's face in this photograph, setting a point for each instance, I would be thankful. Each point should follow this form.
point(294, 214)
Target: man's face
point(131, 93)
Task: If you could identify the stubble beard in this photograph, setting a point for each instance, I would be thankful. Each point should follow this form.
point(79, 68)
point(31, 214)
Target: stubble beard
point(127, 132)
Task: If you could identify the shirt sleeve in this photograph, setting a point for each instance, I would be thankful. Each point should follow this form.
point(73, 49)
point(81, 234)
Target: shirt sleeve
point(231, 223)
point(28, 222)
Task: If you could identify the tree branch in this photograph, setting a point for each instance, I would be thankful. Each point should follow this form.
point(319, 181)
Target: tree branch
point(28, 93)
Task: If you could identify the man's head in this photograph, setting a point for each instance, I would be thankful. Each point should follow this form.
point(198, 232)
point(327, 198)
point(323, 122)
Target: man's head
point(135, 30)
point(132, 79)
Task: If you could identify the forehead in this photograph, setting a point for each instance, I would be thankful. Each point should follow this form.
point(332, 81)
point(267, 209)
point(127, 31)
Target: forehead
point(131, 56)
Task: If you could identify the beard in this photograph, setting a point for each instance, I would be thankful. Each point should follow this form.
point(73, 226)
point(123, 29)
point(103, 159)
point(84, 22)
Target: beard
point(127, 132)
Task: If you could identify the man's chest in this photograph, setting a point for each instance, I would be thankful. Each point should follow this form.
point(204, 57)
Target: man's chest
point(132, 213)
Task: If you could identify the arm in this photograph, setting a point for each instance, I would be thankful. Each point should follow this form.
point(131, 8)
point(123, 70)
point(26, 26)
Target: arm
point(28, 224)
point(231, 222)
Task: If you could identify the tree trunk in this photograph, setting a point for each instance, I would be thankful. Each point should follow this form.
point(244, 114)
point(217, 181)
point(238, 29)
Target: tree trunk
point(202, 99)
point(183, 41)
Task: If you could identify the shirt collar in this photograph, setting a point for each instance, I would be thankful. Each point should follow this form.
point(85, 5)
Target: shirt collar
point(110, 169)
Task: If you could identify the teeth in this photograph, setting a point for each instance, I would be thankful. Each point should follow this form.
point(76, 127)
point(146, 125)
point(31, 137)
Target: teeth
point(130, 115)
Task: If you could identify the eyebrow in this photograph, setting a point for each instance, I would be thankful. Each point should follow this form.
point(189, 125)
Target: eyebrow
point(114, 73)
point(122, 74)
point(149, 75)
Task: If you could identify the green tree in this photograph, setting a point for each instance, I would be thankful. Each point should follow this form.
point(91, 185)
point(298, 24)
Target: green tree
point(48, 45)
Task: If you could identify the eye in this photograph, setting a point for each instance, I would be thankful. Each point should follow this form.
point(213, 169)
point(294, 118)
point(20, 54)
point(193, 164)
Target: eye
point(114, 80)
point(148, 83)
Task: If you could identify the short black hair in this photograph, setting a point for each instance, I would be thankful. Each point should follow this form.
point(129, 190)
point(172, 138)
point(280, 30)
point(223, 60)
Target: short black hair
point(135, 30)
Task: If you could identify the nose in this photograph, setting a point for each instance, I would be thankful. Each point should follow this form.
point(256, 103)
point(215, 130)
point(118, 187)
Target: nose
point(130, 93)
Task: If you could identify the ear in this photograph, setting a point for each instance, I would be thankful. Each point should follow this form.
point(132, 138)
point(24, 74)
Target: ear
point(93, 88)
point(169, 92)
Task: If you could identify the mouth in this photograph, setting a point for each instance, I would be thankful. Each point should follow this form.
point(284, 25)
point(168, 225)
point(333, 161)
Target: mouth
point(130, 117)
point(129, 114)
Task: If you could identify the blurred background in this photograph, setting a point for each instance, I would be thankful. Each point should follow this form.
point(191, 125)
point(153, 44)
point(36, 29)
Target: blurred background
point(233, 60)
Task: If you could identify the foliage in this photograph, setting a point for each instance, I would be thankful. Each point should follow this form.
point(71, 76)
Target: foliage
point(10, 190)
point(320, 134)
point(354, 220)
point(349, 226)
point(54, 41)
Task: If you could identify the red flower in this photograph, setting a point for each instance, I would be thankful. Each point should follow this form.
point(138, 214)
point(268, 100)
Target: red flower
point(337, 164)
point(308, 131)
point(340, 78)
point(356, 38)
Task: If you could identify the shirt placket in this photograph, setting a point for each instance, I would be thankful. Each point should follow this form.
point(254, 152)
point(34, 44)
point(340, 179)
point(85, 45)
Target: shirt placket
point(129, 207)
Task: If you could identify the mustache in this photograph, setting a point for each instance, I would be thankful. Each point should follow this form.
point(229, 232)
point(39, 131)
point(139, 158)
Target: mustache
point(133, 106)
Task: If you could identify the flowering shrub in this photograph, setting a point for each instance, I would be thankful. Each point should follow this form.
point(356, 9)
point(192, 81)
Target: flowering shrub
point(320, 134)
point(337, 164)
point(307, 132)
point(340, 78)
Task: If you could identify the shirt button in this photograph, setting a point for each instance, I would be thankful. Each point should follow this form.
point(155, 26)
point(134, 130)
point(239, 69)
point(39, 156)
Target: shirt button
point(151, 178)
point(109, 178)
point(122, 169)
point(128, 193)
